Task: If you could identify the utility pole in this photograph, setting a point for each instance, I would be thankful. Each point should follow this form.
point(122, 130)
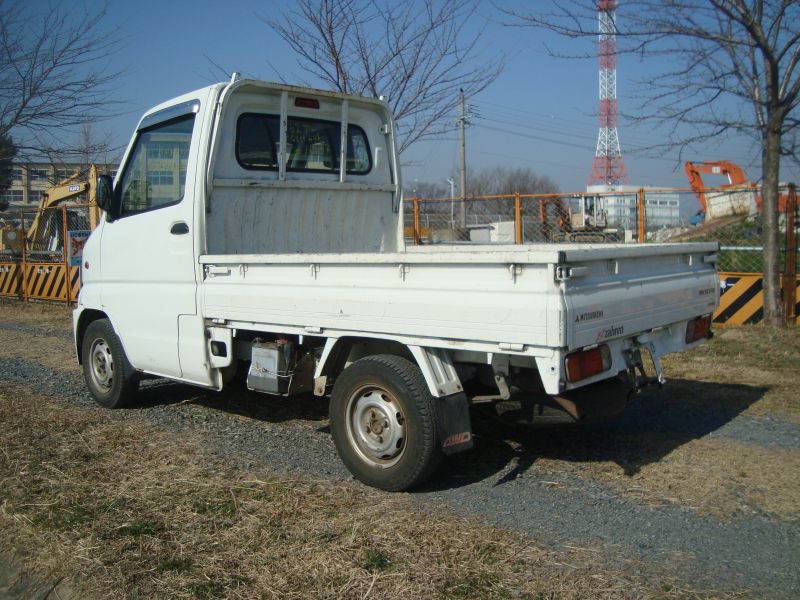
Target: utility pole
point(462, 121)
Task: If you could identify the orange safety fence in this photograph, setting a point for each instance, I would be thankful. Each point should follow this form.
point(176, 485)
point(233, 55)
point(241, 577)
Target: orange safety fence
point(40, 253)
point(49, 268)
point(41, 281)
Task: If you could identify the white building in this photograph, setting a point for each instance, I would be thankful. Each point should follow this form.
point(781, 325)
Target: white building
point(620, 202)
point(29, 180)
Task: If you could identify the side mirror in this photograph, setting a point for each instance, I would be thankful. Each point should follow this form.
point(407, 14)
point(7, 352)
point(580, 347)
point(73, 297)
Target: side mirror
point(104, 192)
point(105, 197)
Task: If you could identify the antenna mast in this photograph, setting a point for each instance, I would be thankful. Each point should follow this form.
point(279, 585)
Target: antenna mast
point(608, 167)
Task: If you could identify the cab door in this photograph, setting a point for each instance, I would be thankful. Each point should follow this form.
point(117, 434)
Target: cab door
point(147, 254)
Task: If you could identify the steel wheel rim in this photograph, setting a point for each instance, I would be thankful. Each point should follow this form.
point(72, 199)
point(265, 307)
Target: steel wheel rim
point(376, 426)
point(102, 364)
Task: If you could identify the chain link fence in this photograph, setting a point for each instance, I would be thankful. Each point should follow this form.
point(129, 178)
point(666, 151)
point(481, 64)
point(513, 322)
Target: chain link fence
point(729, 216)
point(40, 251)
point(42, 234)
point(732, 217)
point(519, 219)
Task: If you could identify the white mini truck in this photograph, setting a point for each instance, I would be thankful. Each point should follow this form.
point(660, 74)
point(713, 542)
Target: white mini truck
point(257, 229)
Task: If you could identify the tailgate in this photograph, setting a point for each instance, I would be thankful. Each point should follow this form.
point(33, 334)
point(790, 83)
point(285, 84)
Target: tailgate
point(620, 291)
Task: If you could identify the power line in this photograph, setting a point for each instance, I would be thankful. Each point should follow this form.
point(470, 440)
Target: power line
point(532, 120)
point(636, 147)
point(533, 137)
point(543, 129)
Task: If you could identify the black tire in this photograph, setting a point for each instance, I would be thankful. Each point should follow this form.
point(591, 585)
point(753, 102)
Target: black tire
point(383, 423)
point(109, 375)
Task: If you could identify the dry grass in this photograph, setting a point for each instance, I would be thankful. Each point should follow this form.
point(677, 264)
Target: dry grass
point(753, 355)
point(749, 371)
point(714, 476)
point(137, 513)
point(724, 478)
point(54, 353)
point(47, 315)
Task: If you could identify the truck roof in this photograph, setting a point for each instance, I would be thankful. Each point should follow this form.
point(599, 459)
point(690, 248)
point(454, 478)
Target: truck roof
point(256, 84)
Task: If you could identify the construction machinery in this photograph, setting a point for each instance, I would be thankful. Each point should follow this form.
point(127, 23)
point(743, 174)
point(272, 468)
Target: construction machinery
point(737, 197)
point(45, 232)
point(580, 218)
point(572, 218)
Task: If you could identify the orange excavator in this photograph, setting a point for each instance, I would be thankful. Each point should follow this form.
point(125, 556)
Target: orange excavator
point(738, 184)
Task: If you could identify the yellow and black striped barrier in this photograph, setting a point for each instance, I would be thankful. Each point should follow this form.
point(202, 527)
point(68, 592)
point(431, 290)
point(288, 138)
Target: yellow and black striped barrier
point(45, 281)
point(41, 281)
point(10, 279)
point(74, 283)
point(741, 299)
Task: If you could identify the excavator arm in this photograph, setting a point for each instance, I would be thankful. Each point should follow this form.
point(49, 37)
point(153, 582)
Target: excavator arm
point(694, 171)
point(65, 191)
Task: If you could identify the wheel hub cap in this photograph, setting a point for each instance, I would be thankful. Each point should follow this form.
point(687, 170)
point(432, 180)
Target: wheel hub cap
point(102, 364)
point(376, 426)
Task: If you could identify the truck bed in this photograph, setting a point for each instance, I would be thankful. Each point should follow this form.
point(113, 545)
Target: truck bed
point(469, 297)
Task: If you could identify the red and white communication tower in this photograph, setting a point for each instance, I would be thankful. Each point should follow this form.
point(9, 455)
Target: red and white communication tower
point(608, 167)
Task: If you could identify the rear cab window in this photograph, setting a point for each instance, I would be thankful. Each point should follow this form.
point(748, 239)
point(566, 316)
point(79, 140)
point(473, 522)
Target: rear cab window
point(312, 145)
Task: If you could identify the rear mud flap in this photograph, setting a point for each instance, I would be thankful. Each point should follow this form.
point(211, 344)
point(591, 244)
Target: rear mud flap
point(453, 423)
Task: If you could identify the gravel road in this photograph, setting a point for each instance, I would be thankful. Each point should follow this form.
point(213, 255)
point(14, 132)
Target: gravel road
point(756, 553)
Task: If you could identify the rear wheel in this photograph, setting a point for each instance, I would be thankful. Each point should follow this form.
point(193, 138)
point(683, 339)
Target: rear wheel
point(109, 376)
point(383, 423)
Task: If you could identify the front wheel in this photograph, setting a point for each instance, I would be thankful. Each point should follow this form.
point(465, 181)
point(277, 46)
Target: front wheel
point(383, 423)
point(109, 376)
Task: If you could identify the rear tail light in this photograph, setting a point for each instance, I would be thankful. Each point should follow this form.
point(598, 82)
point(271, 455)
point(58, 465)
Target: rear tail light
point(698, 328)
point(586, 363)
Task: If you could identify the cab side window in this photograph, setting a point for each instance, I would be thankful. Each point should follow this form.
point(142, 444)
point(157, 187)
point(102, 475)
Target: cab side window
point(155, 174)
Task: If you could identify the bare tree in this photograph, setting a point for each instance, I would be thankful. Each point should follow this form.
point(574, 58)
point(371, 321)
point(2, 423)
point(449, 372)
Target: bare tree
point(496, 181)
point(734, 70)
point(426, 189)
point(54, 72)
point(7, 153)
point(87, 149)
point(504, 181)
point(490, 181)
point(417, 53)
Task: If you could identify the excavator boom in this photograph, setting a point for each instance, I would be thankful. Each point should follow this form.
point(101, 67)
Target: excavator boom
point(724, 168)
point(736, 179)
point(65, 191)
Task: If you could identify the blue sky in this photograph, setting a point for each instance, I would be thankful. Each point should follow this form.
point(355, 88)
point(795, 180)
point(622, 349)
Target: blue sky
point(540, 113)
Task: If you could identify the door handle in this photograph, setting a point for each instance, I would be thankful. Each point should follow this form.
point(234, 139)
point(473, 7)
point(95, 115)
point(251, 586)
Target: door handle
point(179, 228)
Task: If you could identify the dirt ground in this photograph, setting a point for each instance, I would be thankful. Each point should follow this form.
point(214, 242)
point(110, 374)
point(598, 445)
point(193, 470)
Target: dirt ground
point(743, 372)
point(42, 315)
point(137, 511)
